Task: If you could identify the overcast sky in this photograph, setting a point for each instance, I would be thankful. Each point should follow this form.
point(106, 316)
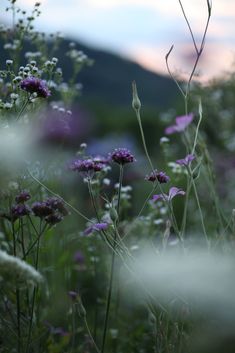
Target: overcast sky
point(144, 30)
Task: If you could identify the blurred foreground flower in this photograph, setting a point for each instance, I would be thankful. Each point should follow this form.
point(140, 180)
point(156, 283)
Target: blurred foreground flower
point(13, 270)
point(181, 122)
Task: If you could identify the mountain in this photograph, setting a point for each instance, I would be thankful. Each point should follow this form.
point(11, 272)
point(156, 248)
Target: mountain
point(109, 79)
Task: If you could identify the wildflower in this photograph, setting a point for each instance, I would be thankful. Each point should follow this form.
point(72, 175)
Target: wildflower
point(186, 161)
point(20, 210)
point(160, 176)
point(96, 227)
point(23, 196)
point(122, 156)
point(57, 205)
point(181, 122)
point(53, 218)
point(35, 85)
point(13, 269)
point(79, 257)
point(73, 295)
point(174, 191)
point(87, 166)
point(41, 209)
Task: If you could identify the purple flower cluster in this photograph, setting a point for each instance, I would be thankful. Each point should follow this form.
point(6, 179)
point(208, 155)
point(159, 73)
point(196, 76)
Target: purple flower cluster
point(97, 227)
point(174, 191)
point(23, 196)
point(181, 122)
point(18, 211)
point(89, 166)
point(186, 161)
point(35, 85)
point(122, 156)
point(161, 177)
point(51, 210)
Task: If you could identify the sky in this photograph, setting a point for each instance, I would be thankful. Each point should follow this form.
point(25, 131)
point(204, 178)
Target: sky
point(144, 30)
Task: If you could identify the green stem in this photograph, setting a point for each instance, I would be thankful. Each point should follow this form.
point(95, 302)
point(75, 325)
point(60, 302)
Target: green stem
point(112, 264)
point(17, 296)
point(23, 107)
point(143, 139)
point(34, 293)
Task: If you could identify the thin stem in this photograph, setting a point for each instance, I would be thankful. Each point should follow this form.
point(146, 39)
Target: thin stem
point(17, 296)
point(24, 105)
point(143, 139)
point(34, 292)
point(199, 207)
point(112, 264)
point(90, 335)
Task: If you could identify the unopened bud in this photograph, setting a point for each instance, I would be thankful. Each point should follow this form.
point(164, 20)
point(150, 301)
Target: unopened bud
point(113, 214)
point(136, 104)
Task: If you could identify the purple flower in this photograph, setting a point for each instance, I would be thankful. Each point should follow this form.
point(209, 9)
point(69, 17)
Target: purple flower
point(96, 227)
point(41, 209)
point(174, 191)
point(87, 166)
point(73, 295)
point(35, 85)
point(53, 218)
point(79, 257)
point(160, 176)
point(57, 205)
point(122, 156)
point(181, 122)
point(186, 161)
point(19, 210)
point(23, 196)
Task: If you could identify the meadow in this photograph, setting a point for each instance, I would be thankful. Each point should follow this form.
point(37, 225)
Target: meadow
point(124, 244)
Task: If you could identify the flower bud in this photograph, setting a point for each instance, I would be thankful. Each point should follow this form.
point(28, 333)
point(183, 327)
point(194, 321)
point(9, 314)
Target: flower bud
point(136, 104)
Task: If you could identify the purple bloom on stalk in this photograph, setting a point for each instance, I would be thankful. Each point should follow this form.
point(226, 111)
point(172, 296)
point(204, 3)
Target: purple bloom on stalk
point(98, 227)
point(174, 191)
point(23, 196)
point(181, 122)
point(41, 209)
point(19, 210)
point(57, 205)
point(122, 156)
point(35, 85)
point(186, 161)
point(160, 176)
point(87, 166)
point(53, 218)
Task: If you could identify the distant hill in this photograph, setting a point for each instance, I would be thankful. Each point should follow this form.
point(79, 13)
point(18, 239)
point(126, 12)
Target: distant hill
point(109, 80)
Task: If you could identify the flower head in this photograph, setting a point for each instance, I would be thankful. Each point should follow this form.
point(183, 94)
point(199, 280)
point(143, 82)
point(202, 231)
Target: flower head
point(57, 204)
point(186, 161)
point(174, 191)
point(88, 166)
point(181, 122)
point(122, 156)
point(23, 196)
point(20, 210)
point(96, 227)
point(41, 209)
point(160, 176)
point(35, 85)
